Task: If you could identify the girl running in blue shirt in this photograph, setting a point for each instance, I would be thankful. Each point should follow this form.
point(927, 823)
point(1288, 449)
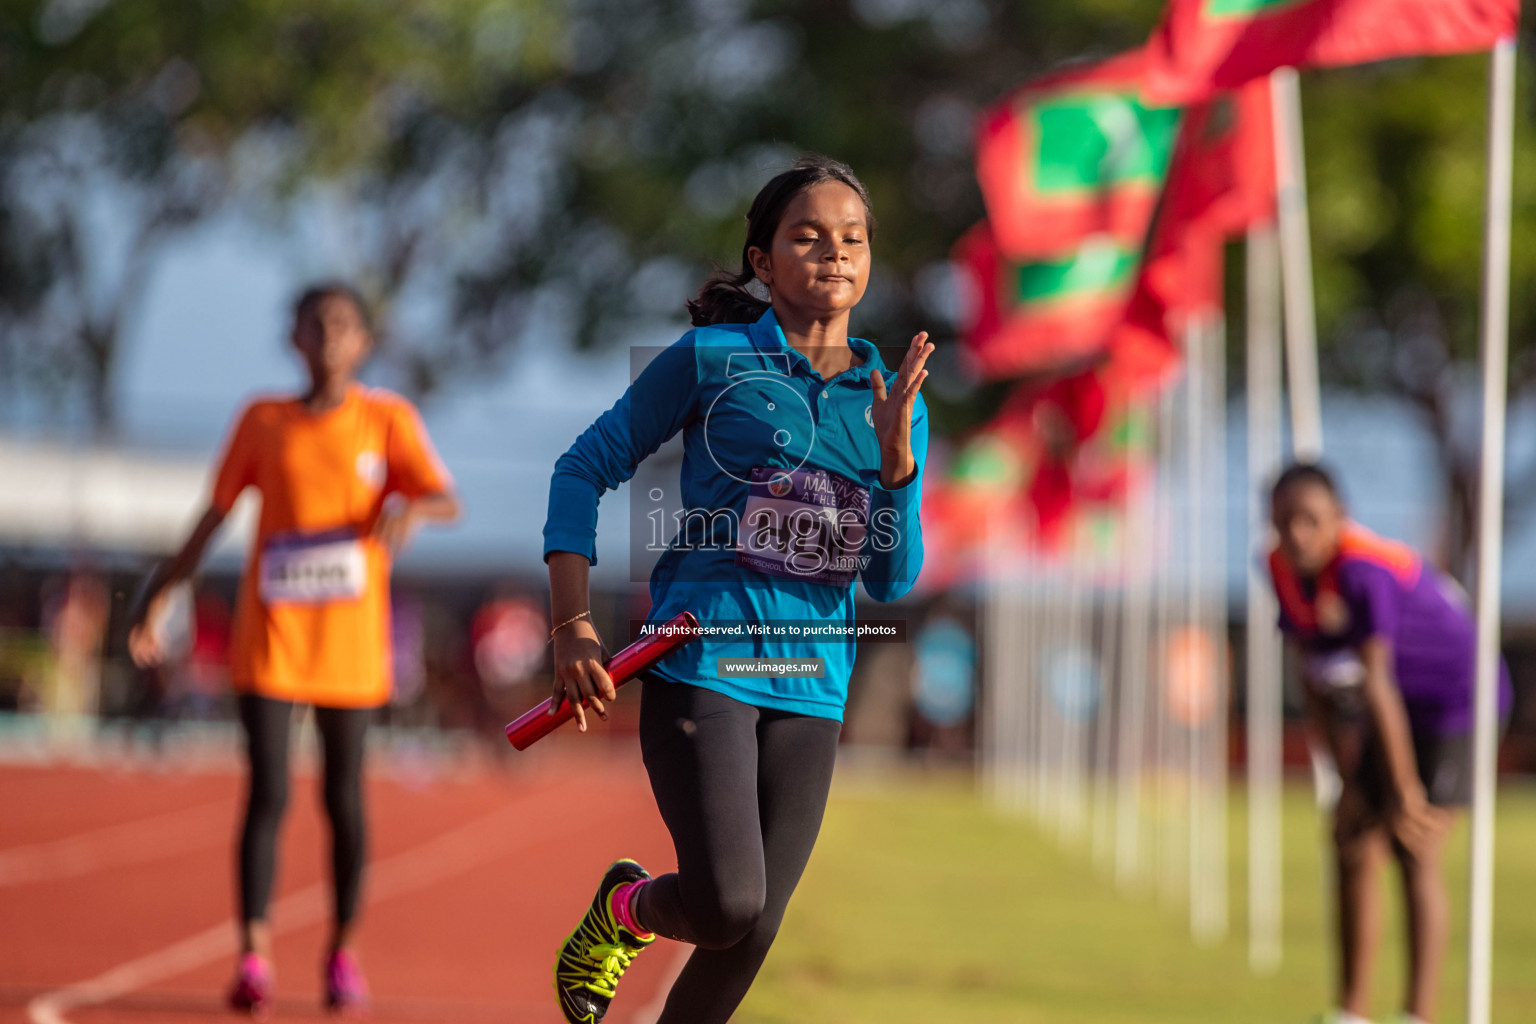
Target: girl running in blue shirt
point(802, 471)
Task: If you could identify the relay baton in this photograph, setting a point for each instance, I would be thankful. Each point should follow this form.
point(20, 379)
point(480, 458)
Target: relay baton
point(536, 723)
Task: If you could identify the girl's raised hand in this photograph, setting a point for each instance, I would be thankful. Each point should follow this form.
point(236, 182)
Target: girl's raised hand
point(891, 412)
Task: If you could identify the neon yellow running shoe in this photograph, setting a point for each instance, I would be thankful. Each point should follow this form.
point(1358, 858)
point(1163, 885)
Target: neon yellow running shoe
point(598, 952)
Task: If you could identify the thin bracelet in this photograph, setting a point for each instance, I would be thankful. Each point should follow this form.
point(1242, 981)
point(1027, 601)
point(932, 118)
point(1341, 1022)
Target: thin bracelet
point(579, 615)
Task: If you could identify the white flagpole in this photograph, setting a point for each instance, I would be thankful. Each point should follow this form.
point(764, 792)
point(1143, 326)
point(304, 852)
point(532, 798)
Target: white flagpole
point(1215, 919)
point(994, 731)
point(1164, 863)
point(1263, 647)
point(1015, 615)
point(1196, 557)
point(1300, 317)
point(1490, 522)
point(1296, 257)
point(1135, 655)
point(1109, 590)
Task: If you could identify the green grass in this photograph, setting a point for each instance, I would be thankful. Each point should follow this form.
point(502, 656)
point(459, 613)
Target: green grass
point(922, 904)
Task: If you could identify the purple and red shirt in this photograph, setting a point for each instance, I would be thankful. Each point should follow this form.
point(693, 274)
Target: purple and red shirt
point(1377, 587)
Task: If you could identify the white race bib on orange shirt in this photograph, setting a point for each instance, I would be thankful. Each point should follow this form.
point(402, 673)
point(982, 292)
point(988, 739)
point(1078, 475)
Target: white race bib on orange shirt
point(313, 568)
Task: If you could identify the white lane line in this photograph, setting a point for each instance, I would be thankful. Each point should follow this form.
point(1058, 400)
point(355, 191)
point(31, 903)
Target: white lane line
point(133, 842)
point(471, 845)
point(650, 1013)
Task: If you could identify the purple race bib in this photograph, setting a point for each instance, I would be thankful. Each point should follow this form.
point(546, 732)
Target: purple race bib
point(804, 524)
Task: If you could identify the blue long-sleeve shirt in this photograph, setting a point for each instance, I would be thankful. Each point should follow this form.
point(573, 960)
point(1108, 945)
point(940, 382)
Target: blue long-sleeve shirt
point(747, 401)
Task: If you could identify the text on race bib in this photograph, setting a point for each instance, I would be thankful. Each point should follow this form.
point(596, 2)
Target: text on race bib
point(316, 568)
point(804, 524)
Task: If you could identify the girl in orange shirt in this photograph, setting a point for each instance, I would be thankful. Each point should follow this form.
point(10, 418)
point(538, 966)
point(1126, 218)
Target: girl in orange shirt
point(346, 473)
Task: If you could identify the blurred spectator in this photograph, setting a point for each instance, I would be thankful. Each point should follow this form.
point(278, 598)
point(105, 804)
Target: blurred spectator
point(507, 636)
point(75, 621)
point(880, 697)
point(944, 684)
point(22, 652)
point(202, 683)
point(455, 699)
point(409, 632)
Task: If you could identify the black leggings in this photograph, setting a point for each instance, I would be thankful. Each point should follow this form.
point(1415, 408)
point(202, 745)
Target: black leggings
point(742, 790)
point(342, 731)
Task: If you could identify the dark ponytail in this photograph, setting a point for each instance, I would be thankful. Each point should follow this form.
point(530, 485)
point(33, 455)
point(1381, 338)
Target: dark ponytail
point(724, 298)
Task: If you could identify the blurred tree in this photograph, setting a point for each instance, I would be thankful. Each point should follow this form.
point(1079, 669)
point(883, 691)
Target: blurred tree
point(499, 161)
point(672, 115)
point(123, 123)
point(92, 180)
point(1396, 168)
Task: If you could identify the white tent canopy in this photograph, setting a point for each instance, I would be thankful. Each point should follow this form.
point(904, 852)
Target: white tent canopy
point(105, 499)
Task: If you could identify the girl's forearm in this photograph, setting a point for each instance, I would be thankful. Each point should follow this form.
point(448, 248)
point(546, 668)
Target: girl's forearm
point(441, 507)
point(897, 468)
point(185, 562)
point(568, 586)
point(1321, 723)
point(1389, 716)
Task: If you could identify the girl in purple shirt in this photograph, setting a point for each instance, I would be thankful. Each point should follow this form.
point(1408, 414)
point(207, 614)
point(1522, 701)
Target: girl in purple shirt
point(1387, 652)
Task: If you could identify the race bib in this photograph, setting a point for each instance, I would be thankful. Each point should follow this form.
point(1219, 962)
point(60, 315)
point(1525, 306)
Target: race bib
point(804, 524)
point(1337, 670)
point(1337, 675)
point(313, 568)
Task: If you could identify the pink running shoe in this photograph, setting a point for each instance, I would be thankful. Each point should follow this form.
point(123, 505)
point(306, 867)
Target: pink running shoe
point(252, 991)
point(346, 992)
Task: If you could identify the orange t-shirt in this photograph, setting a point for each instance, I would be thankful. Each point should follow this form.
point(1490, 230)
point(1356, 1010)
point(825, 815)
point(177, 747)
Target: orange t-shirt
point(312, 624)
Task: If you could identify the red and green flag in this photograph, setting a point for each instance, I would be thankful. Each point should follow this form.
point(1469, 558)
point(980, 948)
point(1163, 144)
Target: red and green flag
point(1081, 498)
point(1201, 46)
point(1073, 154)
point(975, 510)
point(1085, 439)
point(1223, 172)
point(1031, 316)
point(1057, 453)
point(1221, 182)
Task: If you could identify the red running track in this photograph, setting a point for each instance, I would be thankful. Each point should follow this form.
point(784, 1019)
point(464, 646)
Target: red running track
point(116, 890)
